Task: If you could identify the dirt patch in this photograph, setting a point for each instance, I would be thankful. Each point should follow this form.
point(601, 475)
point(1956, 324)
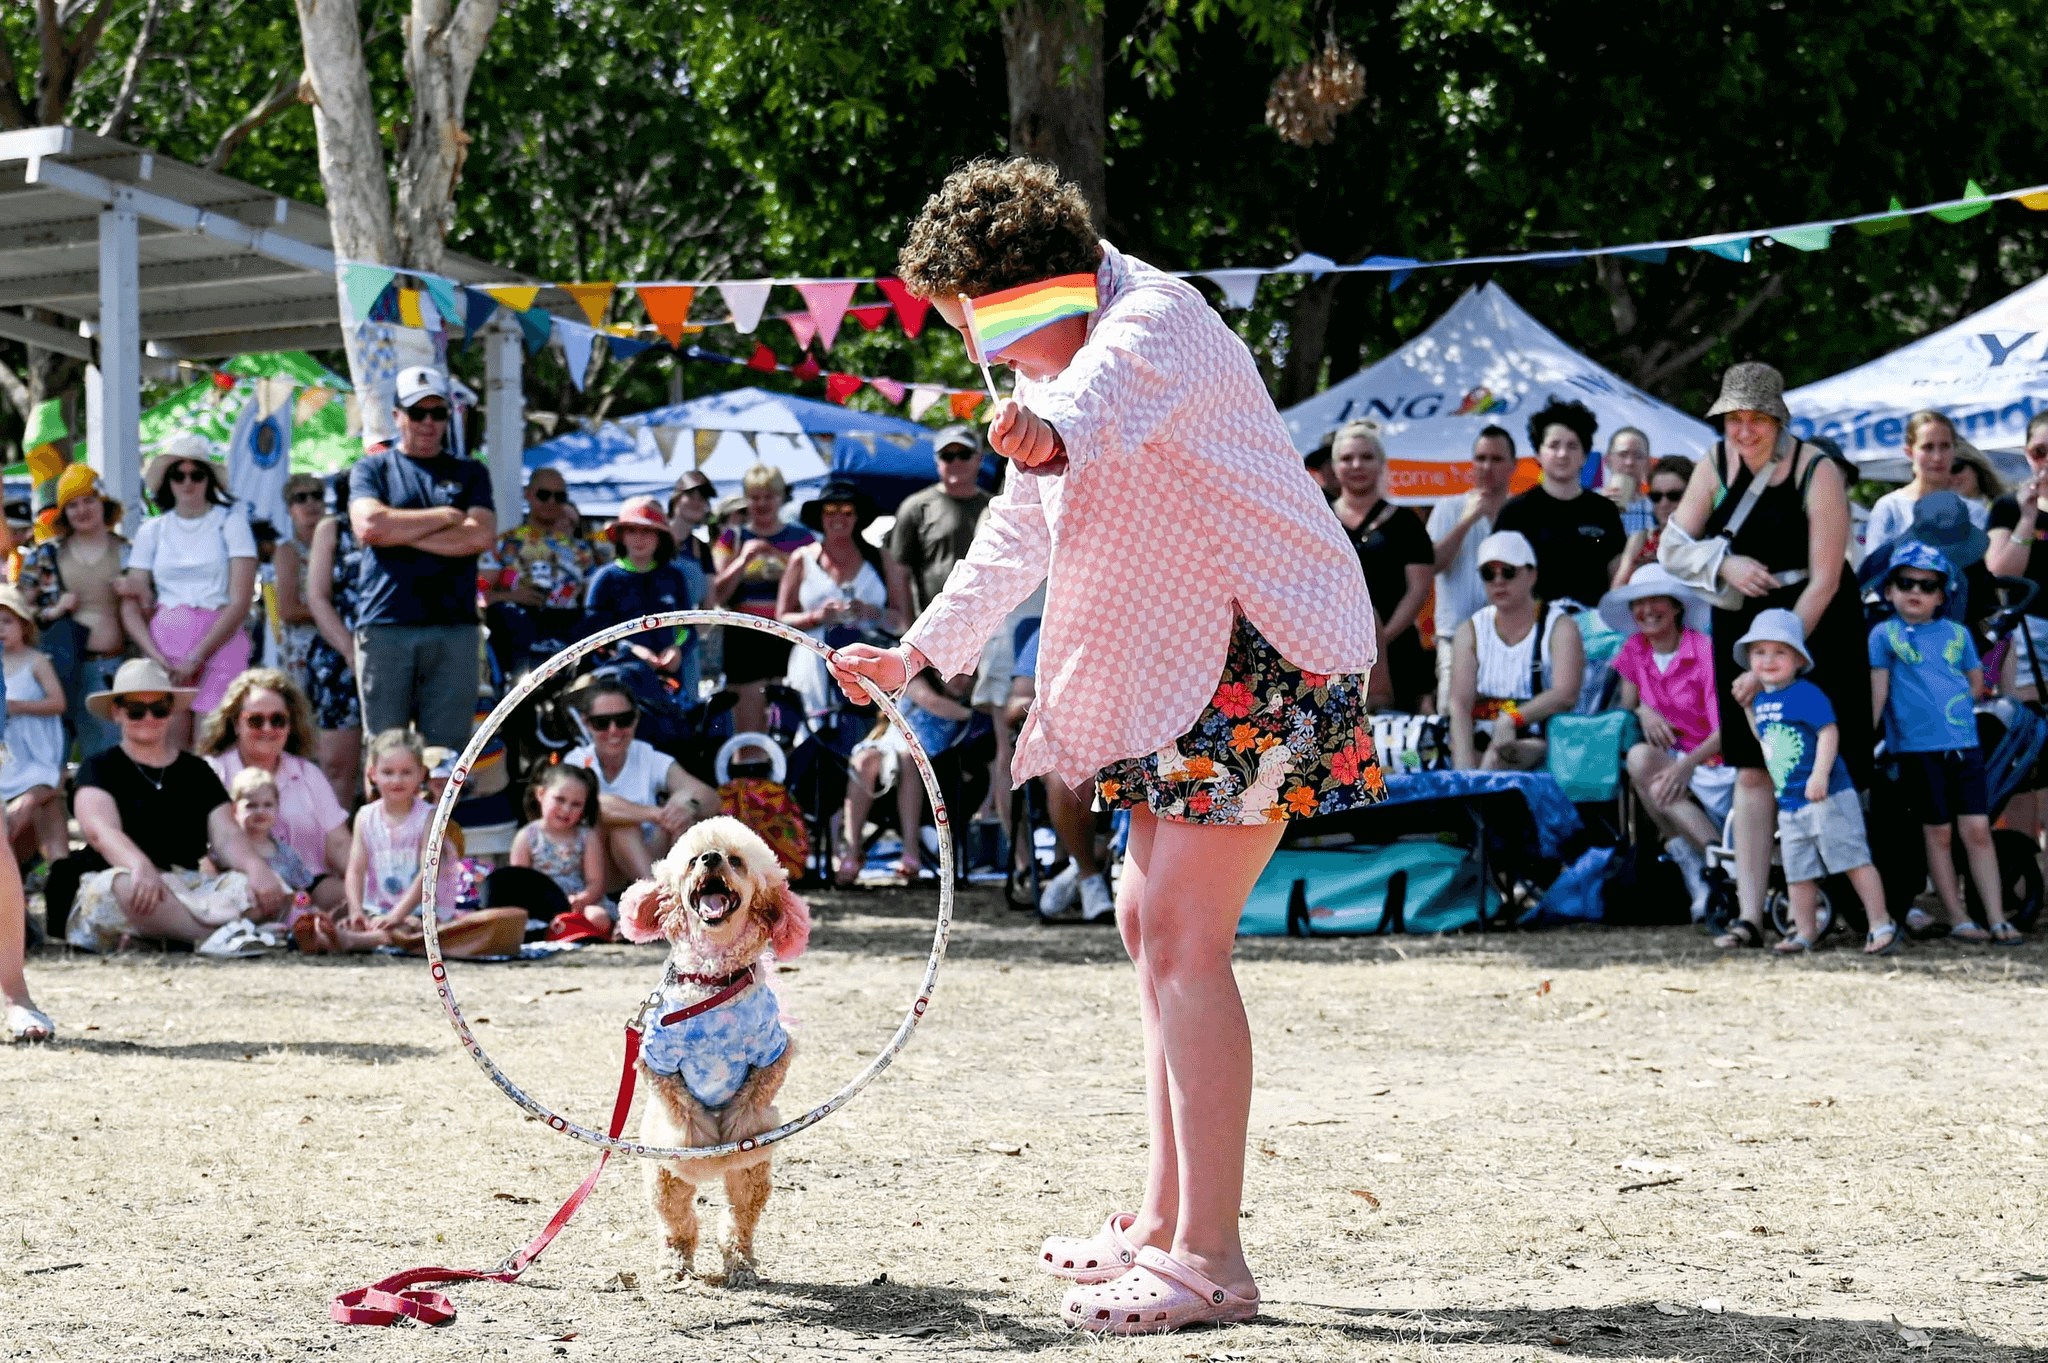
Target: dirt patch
point(1518, 1147)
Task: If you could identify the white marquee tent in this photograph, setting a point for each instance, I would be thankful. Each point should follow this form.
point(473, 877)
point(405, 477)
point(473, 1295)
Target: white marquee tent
point(1484, 362)
point(1989, 372)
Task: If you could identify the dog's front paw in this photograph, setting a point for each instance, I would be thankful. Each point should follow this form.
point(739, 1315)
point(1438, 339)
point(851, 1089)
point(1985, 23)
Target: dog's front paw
point(739, 1271)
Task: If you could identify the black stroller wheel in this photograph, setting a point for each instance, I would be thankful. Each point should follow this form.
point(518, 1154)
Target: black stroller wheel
point(1778, 907)
point(2019, 875)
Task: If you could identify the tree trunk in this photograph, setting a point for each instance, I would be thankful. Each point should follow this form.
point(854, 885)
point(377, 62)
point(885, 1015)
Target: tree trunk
point(441, 52)
point(1307, 335)
point(1052, 54)
point(344, 117)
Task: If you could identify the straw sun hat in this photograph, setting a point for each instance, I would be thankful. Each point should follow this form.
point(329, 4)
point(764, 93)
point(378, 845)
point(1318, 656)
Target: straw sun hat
point(140, 676)
point(1752, 386)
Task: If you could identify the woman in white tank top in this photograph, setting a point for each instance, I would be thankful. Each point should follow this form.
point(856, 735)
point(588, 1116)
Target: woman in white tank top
point(1514, 664)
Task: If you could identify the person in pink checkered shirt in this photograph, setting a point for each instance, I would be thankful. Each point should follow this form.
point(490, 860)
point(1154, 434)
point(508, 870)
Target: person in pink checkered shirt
point(1206, 634)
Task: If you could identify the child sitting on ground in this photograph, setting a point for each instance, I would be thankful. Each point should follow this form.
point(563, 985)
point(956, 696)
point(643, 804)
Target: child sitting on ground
point(562, 841)
point(1925, 677)
point(254, 792)
point(1820, 820)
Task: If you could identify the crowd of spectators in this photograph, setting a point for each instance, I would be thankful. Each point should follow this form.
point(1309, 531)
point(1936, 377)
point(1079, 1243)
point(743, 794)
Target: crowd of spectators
point(331, 684)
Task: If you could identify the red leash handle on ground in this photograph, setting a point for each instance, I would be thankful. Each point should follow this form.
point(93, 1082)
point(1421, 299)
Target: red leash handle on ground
point(390, 1300)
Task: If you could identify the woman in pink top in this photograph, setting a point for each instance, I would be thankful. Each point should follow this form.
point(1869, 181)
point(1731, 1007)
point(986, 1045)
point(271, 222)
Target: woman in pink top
point(265, 720)
point(1205, 633)
point(1667, 678)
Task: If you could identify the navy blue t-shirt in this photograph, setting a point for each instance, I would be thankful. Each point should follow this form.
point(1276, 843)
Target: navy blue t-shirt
point(619, 593)
point(401, 585)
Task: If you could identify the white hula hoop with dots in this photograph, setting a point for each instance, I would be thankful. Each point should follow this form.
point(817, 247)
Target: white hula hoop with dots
point(431, 862)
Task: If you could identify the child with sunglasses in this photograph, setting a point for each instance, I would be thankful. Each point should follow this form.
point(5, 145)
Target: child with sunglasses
point(1925, 678)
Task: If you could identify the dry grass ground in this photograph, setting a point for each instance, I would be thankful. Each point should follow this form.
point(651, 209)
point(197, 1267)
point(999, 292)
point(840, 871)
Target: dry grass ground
point(1549, 1146)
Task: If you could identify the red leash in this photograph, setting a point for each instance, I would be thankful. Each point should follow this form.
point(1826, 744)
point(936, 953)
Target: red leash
point(392, 1299)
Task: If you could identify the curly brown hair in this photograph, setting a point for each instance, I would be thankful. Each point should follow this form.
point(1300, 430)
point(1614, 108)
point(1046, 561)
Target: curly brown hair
point(996, 224)
point(218, 733)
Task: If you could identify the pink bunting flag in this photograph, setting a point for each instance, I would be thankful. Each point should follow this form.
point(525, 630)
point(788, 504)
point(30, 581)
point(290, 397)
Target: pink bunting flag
point(804, 325)
point(840, 387)
point(827, 302)
point(910, 309)
point(888, 388)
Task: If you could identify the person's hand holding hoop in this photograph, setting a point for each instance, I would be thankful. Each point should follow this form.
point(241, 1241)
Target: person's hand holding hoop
point(889, 668)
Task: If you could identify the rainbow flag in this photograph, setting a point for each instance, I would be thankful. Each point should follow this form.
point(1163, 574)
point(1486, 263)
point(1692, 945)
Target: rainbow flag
point(998, 320)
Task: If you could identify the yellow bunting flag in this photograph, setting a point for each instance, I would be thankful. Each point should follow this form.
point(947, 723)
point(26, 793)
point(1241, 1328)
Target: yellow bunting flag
point(519, 299)
point(409, 308)
point(592, 298)
point(2038, 202)
point(668, 307)
point(705, 442)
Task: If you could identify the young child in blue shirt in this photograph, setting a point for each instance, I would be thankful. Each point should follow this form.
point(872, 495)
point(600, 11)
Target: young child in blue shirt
point(1925, 678)
point(1820, 819)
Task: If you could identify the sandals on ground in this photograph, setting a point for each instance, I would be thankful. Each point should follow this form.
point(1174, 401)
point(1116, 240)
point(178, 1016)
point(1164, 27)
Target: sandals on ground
point(1881, 941)
point(1098, 1258)
point(1971, 931)
point(1158, 1294)
point(1740, 933)
point(29, 1024)
point(1923, 926)
point(2004, 934)
point(1794, 945)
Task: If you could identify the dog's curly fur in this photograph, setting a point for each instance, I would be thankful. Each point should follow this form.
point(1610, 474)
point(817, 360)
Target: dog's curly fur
point(717, 860)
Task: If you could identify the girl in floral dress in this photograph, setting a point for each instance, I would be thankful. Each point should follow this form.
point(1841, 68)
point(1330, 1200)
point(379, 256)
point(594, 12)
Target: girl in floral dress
point(1202, 663)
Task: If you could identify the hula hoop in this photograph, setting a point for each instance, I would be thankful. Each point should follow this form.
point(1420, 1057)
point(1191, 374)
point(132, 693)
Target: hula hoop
point(431, 863)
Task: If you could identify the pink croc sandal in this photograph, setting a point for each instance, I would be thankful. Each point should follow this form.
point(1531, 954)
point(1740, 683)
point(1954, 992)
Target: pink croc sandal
point(1098, 1258)
point(1160, 1293)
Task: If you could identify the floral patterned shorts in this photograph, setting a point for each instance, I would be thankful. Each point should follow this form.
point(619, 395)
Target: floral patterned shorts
point(1274, 743)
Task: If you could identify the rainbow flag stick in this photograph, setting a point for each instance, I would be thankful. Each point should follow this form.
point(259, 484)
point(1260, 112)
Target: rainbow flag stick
point(974, 348)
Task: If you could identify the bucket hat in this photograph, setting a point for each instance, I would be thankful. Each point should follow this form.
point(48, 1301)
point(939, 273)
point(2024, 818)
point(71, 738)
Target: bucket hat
point(182, 449)
point(1508, 546)
point(812, 513)
point(1654, 579)
point(644, 513)
point(140, 676)
point(1752, 386)
point(76, 482)
point(1775, 626)
point(1942, 519)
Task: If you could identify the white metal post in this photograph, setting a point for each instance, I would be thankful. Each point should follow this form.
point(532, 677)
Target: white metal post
point(505, 415)
point(117, 444)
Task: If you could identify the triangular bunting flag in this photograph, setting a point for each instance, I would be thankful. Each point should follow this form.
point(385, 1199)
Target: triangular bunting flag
point(807, 368)
point(477, 308)
point(363, 284)
point(273, 393)
point(447, 301)
point(804, 325)
point(2038, 201)
point(311, 400)
point(1655, 255)
point(869, 315)
point(745, 302)
point(577, 341)
point(704, 443)
point(1895, 221)
point(922, 400)
point(409, 309)
point(1240, 287)
point(888, 388)
point(1398, 276)
point(1813, 238)
point(910, 309)
point(665, 441)
point(1736, 250)
point(592, 298)
point(1308, 263)
point(840, 387)
point(625, 347)
point(963, 405)
point(764, 360)
point(538, 324)
point(668, 307)
point(519, 298)
point(827, 303)
point(1962, 212)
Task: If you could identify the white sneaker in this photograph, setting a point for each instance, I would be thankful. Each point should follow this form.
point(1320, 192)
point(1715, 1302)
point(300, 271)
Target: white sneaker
point(1096, 900)
point(231, 940)
point(1057, 895)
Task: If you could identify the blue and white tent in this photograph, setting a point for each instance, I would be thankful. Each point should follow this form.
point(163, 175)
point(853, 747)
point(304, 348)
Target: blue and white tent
point(723, 434)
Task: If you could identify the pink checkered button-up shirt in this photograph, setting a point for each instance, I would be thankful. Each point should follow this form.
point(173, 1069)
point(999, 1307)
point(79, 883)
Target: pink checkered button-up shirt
point(1182, 498)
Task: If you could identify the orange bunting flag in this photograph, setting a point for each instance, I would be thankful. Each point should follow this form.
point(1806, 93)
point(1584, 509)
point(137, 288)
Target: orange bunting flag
point(592, 298)
point(840, 387)
point(963, 404)
point(668, 307)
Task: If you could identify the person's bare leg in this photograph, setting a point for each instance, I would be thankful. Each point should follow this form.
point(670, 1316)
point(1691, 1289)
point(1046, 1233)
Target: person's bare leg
point(340, 753)
point(1869, 887)
point(1159, 1211)
point(1983, 855)
point(1683, 818)
point(1074, 820)
point(169, 918)
point(625, 852)
point(1756, 821)
point(21, 822)
point(53, 837)
point(13, 935)
point(1941, 869)
point(1805, 899)
point(909, 816)
point(1195, 891)
point(853, 814)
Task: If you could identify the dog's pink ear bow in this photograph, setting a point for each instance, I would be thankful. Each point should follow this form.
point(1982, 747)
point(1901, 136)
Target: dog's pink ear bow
point(792, 932)
point(640, 912)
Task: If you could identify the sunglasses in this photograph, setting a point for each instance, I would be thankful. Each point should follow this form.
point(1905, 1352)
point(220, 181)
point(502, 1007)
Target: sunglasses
point(613, 719)
point(840, 509)
point(156, 709)
point(958, 454)
point(422, 412)
point(275, 720)
point(544, 495)
point(1499, 572)
point(1907, 582)
point(185, 473)
point(301, 498)
point(1656, 496)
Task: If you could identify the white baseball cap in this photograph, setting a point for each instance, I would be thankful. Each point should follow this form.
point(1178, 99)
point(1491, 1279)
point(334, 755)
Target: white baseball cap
point(420, 381)
point(1507, 546)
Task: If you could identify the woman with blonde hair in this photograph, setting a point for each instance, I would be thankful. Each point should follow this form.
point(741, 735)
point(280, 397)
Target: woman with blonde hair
point(1931, 446)
point(264, 720)
point(1399, 563)
point(748, 562)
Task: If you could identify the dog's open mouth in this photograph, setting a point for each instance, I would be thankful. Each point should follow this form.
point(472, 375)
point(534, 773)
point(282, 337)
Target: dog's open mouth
point(714, 901)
